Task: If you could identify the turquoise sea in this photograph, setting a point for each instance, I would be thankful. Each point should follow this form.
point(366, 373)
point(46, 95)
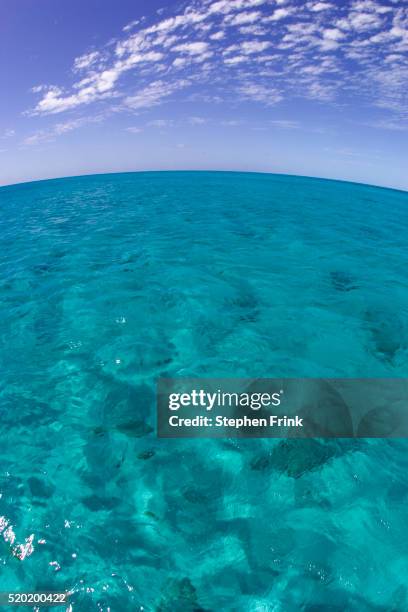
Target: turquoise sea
point(108, 282)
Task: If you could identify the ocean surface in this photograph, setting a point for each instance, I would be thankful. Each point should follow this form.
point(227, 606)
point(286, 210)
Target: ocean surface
point(108, 282)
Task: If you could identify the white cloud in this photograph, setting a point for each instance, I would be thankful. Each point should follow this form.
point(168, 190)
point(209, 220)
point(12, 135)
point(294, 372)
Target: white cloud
point(137, 58)
point(370, 6)
point(218, 35)
point(254, 46)
point(320, 6)
point(237, 59)
point(320, 91)
point(96, 87)
point(131, 25)
point(333, 34)
point(36, 138)
point(161, 123)
point(192, 48)
point(246, 46)
point(153, 94)
point(280, 14)
point(232, 122)
point(58, 129)
point(243, 18)
point(285, 124)
point(179, 62)
point(253, 30)
point(228, 6)
point(360, 21)
point(260, 93)
point(391, 124)
point(9, 133)
point(197, 120)
point(85, 61)
point(55, 102)
point(134, 130)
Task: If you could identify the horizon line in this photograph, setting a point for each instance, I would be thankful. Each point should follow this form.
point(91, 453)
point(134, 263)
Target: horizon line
point(198, 170)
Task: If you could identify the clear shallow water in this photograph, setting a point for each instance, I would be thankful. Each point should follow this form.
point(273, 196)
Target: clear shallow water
point(108, 282)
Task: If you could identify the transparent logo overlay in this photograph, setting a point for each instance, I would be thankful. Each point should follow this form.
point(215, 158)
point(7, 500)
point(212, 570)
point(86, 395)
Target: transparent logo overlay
point(282, 408)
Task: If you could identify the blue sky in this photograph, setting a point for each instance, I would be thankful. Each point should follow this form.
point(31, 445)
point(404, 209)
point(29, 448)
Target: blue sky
point(315, 87)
